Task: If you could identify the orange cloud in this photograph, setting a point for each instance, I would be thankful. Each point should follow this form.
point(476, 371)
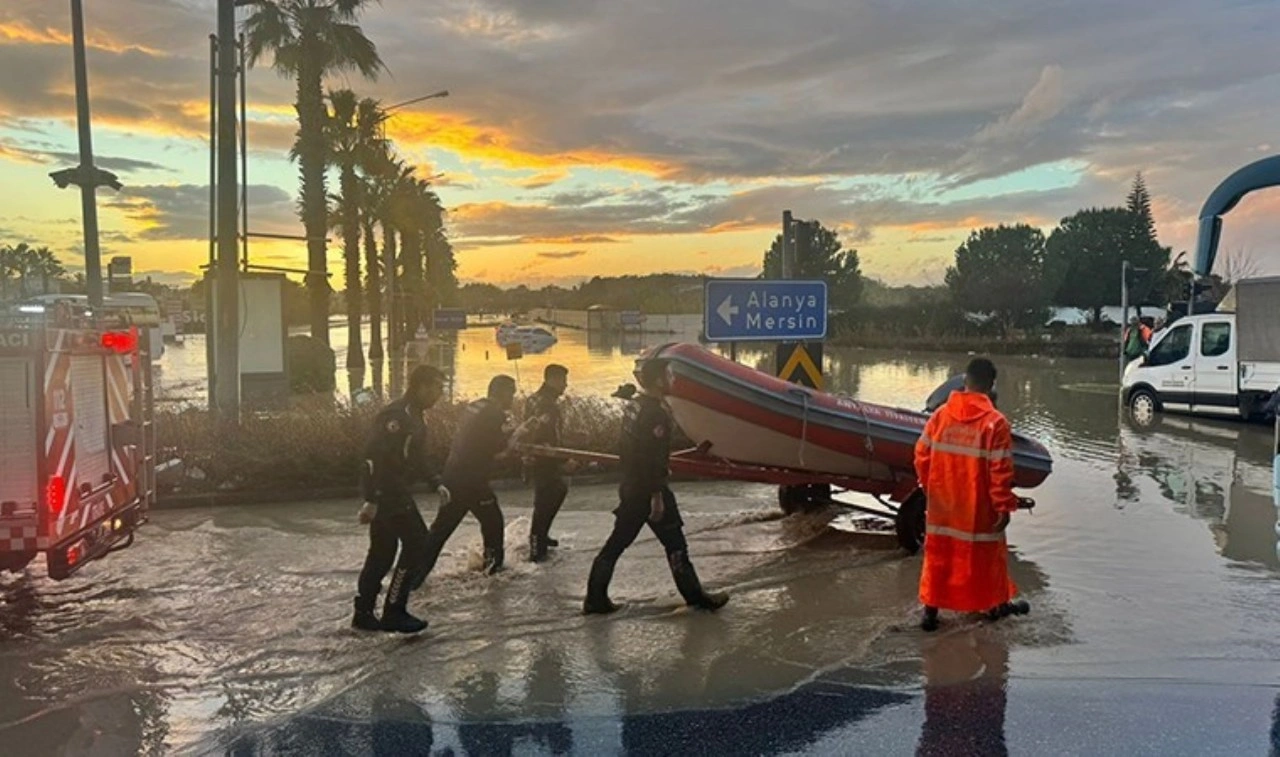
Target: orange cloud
point(17, 32)
point(495, 146)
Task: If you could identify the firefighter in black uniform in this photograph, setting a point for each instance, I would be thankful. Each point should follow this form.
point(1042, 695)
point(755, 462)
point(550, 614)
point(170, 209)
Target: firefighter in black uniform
point(542, 413)
point(395, 458)
point(482, 437)
point(646, 498)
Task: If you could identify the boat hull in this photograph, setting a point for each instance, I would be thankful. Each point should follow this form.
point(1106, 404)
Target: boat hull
point(749, 416)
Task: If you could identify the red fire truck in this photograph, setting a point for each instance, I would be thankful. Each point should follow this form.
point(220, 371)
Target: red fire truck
point(77, 451)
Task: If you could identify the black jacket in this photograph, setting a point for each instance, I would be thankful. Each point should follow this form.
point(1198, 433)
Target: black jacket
point(395, 456)
point(482, 435)
point(645, 448)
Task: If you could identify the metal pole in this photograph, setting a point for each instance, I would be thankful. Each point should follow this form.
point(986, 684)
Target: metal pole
point(228, 348)
point(787, 246)
point(88, 185)
point(1124, 313)
point(244, 154)
point(210, 356)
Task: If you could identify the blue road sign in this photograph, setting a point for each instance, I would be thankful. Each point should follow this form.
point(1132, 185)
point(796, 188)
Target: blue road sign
point(758, 310)
point(449, 319)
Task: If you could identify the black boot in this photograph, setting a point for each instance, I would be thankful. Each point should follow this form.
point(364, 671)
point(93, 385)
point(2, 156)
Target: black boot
point(690, 587)
point(364, 619)
point(597, 601)
point(929, 623)
point(553, 543)
point(538, 546)
point(395, 617)
point(493, 561)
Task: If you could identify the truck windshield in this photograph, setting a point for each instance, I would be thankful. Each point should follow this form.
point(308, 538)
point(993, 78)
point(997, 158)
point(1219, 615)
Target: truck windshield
point(1175, 346)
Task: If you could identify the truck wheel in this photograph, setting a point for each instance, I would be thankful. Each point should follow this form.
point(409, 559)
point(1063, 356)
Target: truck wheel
point(1143, 408)
point(909, 523)
point(17, 561)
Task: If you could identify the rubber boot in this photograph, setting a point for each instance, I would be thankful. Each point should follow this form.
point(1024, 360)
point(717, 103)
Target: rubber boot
point(929, 623)
point(493, 561)
point(538, 547)
point(364, 619)
point(690, 587)
point(395, 618)
point(597, 601)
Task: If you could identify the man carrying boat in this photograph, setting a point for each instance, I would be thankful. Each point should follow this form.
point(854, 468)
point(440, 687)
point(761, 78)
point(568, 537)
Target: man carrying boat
point(964, 462)
point(395, 458)
point(542, 412)
point(481, 439)
point(645, 497)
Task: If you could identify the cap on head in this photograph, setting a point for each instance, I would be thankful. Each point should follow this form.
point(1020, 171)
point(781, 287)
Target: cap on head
point(980, 375)
point(502, 386)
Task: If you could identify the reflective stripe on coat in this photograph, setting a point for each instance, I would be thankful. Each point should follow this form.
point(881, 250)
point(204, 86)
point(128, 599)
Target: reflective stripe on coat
point(964, 462)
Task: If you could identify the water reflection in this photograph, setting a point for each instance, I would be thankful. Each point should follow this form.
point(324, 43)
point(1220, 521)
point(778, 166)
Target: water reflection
point(966, 678)
point(1215, 471)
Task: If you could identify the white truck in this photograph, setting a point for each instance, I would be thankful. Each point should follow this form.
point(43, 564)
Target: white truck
point(1222, 363)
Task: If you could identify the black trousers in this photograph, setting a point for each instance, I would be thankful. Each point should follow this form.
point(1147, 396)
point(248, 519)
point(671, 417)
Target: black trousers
point(481, 502)
point(630, 519)
point(549, 492)
point(394, 527)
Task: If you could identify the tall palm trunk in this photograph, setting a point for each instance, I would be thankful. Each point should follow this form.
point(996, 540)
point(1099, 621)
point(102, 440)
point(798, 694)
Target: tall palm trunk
point(351, 255)
point(411, 280)
point(394, 341)
point(315, 212)
point(375, 291)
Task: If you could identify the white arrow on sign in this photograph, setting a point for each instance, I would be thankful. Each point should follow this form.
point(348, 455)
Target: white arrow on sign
point(727, 310)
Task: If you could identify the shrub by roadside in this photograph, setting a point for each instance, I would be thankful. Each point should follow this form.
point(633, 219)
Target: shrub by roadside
point(317, 445)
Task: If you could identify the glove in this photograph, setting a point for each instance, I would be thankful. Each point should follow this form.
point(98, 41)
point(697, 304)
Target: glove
point(368, 511)
point(445, 495)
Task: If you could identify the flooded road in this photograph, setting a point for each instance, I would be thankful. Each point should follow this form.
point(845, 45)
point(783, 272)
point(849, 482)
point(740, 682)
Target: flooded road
point(1150, 563)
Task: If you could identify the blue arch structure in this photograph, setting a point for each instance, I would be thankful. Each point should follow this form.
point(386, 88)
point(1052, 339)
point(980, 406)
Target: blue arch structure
point(1256, 175)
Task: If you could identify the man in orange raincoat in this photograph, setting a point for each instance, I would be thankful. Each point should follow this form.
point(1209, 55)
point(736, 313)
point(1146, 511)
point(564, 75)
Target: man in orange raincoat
point(964, 462)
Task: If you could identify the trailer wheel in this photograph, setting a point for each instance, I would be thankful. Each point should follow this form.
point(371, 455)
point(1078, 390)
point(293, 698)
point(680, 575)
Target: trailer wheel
point(909, 523)
point(803, 498)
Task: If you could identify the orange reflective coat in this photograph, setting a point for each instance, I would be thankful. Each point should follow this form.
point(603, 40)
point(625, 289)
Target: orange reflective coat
point(964, 461)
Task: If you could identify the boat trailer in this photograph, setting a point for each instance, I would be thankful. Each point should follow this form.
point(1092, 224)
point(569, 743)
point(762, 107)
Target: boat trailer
point(901, 501)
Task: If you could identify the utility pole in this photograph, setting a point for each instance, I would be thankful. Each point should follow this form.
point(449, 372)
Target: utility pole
point(86, 175)
point(227, 350)
point(1124, 313)
point(788, 247)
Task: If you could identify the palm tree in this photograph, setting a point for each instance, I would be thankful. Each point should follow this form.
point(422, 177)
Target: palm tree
point(309, 39)
point(398, 186)
point(8, 269)
point(21, 262)
point(354, 146)
point(48, 267)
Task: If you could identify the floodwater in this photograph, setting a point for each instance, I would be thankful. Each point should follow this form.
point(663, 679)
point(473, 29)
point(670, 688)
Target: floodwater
point(1150, 562)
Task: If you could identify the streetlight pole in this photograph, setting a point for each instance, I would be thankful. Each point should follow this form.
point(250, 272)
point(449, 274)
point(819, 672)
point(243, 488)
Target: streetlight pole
point(227, 381)
point(86, 176)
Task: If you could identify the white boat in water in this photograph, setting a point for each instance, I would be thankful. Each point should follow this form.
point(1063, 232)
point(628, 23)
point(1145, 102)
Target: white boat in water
point(532, 339)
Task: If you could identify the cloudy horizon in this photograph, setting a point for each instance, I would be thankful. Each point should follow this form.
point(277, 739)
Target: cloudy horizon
point(604, 137)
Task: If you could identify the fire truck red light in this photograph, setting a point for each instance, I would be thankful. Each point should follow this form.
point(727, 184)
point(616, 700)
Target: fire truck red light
point(119, 341)
point(56, 493)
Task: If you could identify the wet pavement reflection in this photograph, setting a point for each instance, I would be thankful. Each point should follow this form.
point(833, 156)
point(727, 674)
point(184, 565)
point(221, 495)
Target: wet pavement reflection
point(1151, 564)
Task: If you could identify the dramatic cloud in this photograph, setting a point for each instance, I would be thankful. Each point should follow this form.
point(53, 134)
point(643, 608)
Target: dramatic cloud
point(182, 211)
point(565, 114)
point(21, 154)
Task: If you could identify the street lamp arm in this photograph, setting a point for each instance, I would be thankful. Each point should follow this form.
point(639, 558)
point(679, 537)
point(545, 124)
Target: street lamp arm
point(432, 96)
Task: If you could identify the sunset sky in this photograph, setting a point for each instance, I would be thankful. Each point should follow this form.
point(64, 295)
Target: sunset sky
point(611, 137)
